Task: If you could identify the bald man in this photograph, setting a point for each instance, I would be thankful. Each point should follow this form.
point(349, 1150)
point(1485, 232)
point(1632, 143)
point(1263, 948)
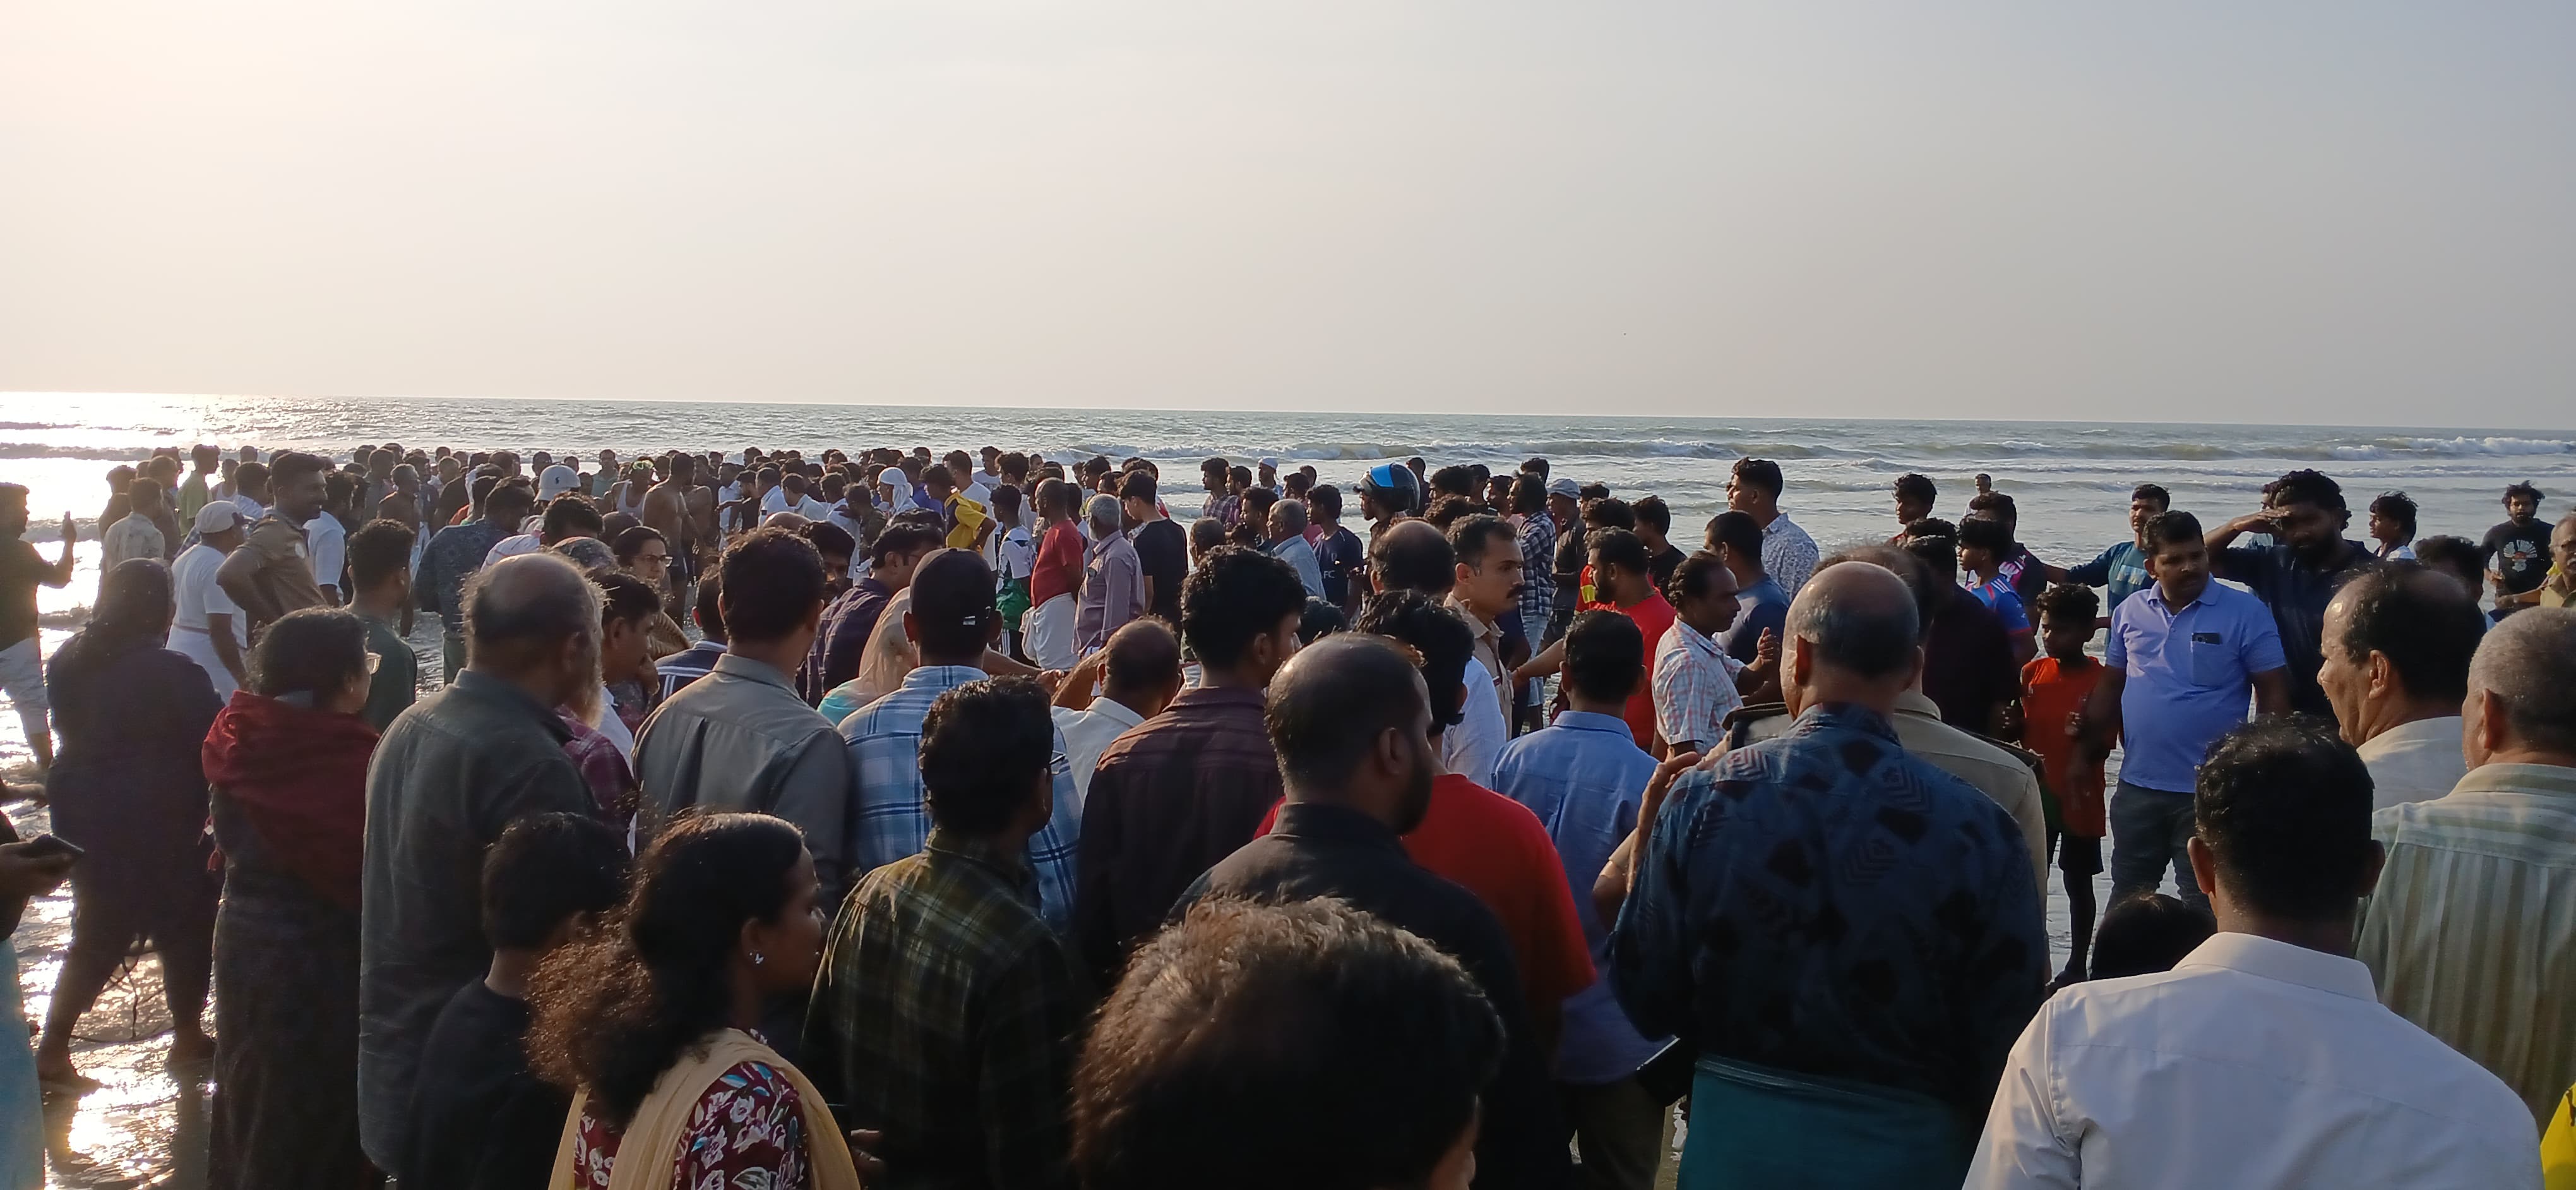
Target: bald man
point(1829, 917)
point(1351, 720)
point(450, 775)
point(2457, 934)
point(1139, 674)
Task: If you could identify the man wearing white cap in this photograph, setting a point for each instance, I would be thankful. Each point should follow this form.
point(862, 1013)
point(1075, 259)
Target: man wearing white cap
point(210, 628)
point(555, 481)
point(1269, 476)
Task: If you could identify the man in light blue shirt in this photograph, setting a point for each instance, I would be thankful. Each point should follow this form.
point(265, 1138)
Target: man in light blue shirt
point(1287, 538)
point(1584, 777)
point(2183, 655)
point(2122, 567)
point(953, 620)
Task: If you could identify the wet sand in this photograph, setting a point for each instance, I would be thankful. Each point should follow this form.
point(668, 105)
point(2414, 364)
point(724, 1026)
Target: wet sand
point(144, 1127)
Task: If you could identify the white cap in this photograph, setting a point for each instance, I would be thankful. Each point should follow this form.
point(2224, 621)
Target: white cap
point(1272, 464)
point(557, 480)
point(218, 516)
point(893, 477)
point(1567, 488)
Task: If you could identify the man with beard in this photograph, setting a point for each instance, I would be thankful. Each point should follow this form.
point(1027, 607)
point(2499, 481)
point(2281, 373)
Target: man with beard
point(2299, 573)
point(1350, 719)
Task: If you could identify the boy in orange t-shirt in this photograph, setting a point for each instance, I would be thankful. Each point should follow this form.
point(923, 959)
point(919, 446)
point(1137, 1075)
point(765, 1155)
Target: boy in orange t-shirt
point(2054, 688)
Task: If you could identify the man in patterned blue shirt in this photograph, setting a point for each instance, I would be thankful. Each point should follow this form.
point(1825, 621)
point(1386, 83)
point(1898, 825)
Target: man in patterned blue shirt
point(1848, 935)
point(953, 619)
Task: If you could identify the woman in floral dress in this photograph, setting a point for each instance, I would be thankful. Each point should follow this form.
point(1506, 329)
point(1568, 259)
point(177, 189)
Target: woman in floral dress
point(652, 1023)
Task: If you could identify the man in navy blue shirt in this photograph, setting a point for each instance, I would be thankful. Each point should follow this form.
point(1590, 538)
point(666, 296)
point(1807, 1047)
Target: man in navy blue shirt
point(2182, 656)
point(1848, 935)
point(1736, 538)
point(2298, 574)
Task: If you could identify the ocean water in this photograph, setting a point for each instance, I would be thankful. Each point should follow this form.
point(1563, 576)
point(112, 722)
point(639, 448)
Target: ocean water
point(2071, 479)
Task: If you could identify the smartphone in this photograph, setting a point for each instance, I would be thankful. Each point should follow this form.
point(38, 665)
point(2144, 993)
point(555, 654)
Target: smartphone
point(47, 846)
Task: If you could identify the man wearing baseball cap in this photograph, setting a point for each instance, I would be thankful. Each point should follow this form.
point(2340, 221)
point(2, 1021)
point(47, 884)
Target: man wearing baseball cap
point(210, 628)
point(555, 481)
point(1565, 507)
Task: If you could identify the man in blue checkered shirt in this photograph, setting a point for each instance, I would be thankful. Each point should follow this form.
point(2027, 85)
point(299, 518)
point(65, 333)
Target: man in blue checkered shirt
point(953, 620)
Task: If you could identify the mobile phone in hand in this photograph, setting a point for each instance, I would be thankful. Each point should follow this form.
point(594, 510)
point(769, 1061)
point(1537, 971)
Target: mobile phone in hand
point(48, 846)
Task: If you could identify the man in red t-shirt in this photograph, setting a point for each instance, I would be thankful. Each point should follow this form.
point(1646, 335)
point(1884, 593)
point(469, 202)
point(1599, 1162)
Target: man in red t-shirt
point(2054, 688)
point(1489, 844)
point(1622, 574)
point(1055, 579)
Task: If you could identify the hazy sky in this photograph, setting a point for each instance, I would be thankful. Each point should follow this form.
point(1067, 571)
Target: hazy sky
point(2348, 212)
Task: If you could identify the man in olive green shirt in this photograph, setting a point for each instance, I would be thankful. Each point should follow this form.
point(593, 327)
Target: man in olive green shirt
point(380, 563)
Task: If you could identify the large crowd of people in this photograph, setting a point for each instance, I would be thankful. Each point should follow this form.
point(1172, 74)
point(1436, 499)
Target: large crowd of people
point(892, 819)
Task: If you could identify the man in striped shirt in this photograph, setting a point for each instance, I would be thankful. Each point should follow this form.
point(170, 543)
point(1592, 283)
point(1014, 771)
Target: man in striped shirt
point(2468, 935)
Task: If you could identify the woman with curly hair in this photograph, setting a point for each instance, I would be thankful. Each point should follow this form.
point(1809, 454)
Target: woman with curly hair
point(651, 1024)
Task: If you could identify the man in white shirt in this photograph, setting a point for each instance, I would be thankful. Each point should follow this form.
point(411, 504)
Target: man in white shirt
point(2397, 645)
point(209, 628)
point(2264, 1058)
point(250, 491)
point(970, 483)
point(574, 517)
point(1139, 674)
point(1694, 679)
point(1788, 553)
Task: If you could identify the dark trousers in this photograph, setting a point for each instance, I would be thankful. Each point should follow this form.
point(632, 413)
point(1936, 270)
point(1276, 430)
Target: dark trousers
point(2149, 830)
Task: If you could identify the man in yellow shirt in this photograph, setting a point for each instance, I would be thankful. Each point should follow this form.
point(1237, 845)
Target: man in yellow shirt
point(967, 523)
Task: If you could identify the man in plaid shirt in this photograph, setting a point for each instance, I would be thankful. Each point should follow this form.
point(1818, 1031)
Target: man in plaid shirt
point(953, 619)
point(1695, 685)
point(947, 1011)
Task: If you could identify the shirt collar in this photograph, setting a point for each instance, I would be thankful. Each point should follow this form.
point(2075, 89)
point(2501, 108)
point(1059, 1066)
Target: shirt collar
point(2543, 779)
point(1222, 695)
point(474, 683)
point(1115, 711)
point(1695, 640)
point(1594, 721)
point(1485, 628)
point(2270, 958)
point(1845, 715)
point(758, 671)
point(1328, 823)
point(1915, 702)
point(1009, 862)
point(2414, 734)
point(941, 677)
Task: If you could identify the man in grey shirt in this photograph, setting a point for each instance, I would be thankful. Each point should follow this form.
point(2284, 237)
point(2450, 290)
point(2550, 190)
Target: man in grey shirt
point(1113, 581)
point(449, 776)
point(740, 738)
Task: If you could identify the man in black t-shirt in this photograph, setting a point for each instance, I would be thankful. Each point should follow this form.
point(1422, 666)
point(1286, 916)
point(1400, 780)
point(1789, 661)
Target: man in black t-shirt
point(22, 671)
point(481, 1119)
point(2516, 552)
point(1162, 549)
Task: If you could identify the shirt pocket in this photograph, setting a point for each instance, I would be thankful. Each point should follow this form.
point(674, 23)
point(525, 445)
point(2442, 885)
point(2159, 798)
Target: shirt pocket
point(2212, 661)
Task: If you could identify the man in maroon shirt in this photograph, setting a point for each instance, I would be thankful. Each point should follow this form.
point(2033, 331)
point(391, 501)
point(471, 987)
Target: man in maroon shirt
point(1187, 787)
